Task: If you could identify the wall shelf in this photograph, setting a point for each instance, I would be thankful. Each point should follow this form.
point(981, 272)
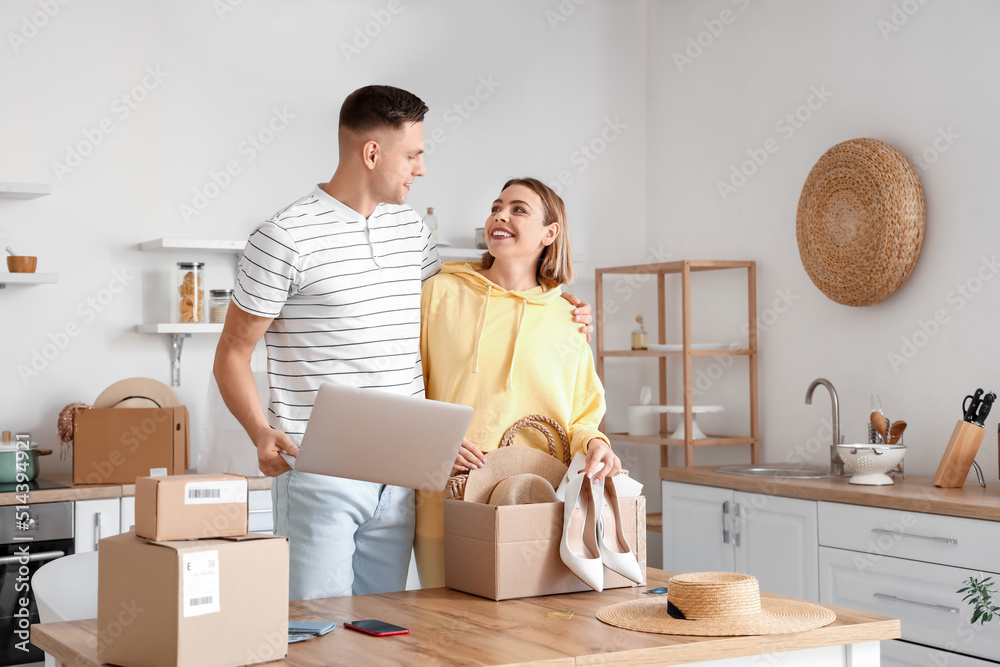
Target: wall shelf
point(451, 254)
point(178, 332)
point(10, 190)
point(179, 328)
point(193, 245)
point(685, 269)
point(27, 279)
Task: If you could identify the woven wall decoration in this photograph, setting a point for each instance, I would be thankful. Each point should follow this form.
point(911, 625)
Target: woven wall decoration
point(860, 222)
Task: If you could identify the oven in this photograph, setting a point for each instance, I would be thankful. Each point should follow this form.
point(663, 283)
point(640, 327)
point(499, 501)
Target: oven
point(30, 536)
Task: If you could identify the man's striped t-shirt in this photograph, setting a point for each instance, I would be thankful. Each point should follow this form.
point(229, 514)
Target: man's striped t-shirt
point(344, 293)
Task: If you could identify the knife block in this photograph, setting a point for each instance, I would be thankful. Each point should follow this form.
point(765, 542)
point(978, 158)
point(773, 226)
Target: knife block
point(958, 457)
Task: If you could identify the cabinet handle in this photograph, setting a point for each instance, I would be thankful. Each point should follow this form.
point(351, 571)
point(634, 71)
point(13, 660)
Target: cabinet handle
point(737, 525)
point(893, 598)
point(944, 540)
point(97, 529)
point(45, 555)
point(264, 511)
point(725, 522)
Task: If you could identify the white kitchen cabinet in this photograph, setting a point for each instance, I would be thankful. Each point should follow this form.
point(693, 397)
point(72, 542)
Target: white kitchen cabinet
point(127, 514)
point(95, 520)
point(921, 595)
point(712, 529)
point(261, 518)
point(896, 653)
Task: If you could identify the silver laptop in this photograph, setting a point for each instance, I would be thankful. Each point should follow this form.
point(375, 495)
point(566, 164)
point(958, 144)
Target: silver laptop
point(375, 436)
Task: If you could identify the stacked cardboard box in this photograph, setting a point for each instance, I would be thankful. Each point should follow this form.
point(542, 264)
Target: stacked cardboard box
point(190, 586)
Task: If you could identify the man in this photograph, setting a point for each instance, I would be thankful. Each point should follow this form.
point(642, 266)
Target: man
point(333, 284)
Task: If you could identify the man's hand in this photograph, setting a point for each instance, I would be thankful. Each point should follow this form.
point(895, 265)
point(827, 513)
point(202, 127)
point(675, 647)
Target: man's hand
point(469, 457)
point(270, 443)
point(598, 452)
point(581, 314)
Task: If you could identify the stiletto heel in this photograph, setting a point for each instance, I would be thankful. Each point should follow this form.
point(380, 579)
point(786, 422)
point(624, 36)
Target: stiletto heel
point(616, 554)
point(578, 548)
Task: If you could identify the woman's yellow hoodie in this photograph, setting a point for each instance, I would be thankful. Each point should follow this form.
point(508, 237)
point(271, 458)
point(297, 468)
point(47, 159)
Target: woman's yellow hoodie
point(508, 354)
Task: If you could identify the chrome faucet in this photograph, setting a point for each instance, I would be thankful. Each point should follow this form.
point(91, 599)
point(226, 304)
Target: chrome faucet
point(836, 465)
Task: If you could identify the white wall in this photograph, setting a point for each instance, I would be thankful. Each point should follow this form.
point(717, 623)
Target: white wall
point(556, 80)
point(907, 86)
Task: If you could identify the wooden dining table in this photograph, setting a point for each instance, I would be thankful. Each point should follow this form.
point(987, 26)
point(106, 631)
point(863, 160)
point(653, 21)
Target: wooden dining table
point(447, 627)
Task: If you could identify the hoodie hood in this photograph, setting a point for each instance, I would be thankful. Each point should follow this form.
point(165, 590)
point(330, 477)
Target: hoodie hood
point(537, 296)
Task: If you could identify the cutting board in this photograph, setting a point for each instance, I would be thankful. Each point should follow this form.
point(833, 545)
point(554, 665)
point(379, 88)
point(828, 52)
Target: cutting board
point(958, 457)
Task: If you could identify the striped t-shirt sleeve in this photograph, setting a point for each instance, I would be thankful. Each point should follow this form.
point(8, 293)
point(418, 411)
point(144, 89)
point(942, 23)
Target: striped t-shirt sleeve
point(430, 262)
point(268, 272)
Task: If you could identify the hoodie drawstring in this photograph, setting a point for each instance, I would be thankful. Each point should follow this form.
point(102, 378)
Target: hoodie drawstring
point(482, 328)
point(517, 336)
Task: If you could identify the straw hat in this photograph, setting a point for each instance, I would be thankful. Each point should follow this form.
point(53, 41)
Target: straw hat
point(716, 604)
point(506, 462)
point(137, 393)
point(523, 489)
point(860, 222)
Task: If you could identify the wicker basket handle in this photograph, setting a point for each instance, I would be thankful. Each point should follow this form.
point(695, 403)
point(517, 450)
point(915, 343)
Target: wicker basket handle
point(539, 422)
point(456, 483)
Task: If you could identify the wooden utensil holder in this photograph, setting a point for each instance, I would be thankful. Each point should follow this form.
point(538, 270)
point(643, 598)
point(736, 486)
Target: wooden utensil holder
point(958, 457)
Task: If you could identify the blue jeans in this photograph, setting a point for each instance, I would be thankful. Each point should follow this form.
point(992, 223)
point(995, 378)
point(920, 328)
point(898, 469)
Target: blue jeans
point(345, 537)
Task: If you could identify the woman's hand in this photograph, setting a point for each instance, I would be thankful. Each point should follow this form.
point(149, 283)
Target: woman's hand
point(581, 313)
point(599, 451)
point(469, 457)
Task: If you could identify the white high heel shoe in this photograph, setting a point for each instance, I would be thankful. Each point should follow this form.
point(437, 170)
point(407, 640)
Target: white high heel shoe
point(616, 554)
point(578, 548)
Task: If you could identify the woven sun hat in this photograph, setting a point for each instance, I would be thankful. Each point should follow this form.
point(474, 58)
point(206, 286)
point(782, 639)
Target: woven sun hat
point(860, 222)
point(716, 604)
point(507, 462)
point(523, 489)
point(137, 393)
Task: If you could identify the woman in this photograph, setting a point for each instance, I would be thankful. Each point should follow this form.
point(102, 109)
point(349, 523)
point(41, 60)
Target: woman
point(496, 336)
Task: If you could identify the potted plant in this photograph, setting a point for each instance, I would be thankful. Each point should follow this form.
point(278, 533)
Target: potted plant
point(979, 593)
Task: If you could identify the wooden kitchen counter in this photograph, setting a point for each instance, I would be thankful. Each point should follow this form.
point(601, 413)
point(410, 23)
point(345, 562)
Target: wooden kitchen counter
point(92, 491)
point(452, 628)
point(913, 494)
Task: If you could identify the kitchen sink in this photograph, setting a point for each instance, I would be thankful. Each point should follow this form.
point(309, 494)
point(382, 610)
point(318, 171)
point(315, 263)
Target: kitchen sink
point(785, 470)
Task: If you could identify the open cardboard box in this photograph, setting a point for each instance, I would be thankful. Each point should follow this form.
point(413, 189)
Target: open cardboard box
point(512, 551)
point(195, 603)
point(116, 445)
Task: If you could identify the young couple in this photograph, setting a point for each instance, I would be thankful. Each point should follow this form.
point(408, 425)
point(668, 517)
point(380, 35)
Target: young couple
point(333, 285)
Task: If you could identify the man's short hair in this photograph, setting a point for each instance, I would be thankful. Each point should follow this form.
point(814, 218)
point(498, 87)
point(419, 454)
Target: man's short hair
point(374, 107)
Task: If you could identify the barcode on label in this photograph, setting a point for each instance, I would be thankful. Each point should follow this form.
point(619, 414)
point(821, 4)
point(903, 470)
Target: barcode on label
point(199, 601)
point(204, 493)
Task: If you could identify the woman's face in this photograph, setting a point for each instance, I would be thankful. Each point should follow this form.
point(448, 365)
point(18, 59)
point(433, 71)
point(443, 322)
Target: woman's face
point(516, 227)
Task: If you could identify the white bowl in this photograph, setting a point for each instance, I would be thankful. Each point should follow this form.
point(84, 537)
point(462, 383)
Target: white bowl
point(869, 463)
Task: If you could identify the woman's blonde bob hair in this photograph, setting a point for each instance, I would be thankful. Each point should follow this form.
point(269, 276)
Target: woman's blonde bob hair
point(555, 266)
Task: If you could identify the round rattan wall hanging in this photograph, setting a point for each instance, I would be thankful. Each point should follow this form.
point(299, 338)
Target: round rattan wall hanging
point(860, 222)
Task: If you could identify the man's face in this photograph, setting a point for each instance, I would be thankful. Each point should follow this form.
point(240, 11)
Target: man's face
point(402, 161)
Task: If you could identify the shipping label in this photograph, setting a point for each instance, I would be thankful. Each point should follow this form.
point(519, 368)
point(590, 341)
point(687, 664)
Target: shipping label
point(206, 493)
point(200, 589)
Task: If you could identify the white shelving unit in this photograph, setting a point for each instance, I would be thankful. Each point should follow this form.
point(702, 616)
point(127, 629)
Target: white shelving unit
point(24, 190)
point(178, 332)
point(27, 279)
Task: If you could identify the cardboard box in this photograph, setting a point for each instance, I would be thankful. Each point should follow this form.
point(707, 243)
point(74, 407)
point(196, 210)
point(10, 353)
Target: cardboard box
point(512, 551)
point(183, 507)
point(194, 603)
point(116, 445)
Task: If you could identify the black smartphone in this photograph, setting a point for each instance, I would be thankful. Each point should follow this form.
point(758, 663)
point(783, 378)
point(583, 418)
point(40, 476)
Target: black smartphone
point(376, 628)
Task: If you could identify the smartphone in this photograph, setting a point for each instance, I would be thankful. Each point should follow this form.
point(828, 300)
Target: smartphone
point(377, 628)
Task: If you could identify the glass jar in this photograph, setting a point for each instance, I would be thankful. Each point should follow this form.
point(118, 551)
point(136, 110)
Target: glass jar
point(218, 304)
point(190, 296)
point(639, 337)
